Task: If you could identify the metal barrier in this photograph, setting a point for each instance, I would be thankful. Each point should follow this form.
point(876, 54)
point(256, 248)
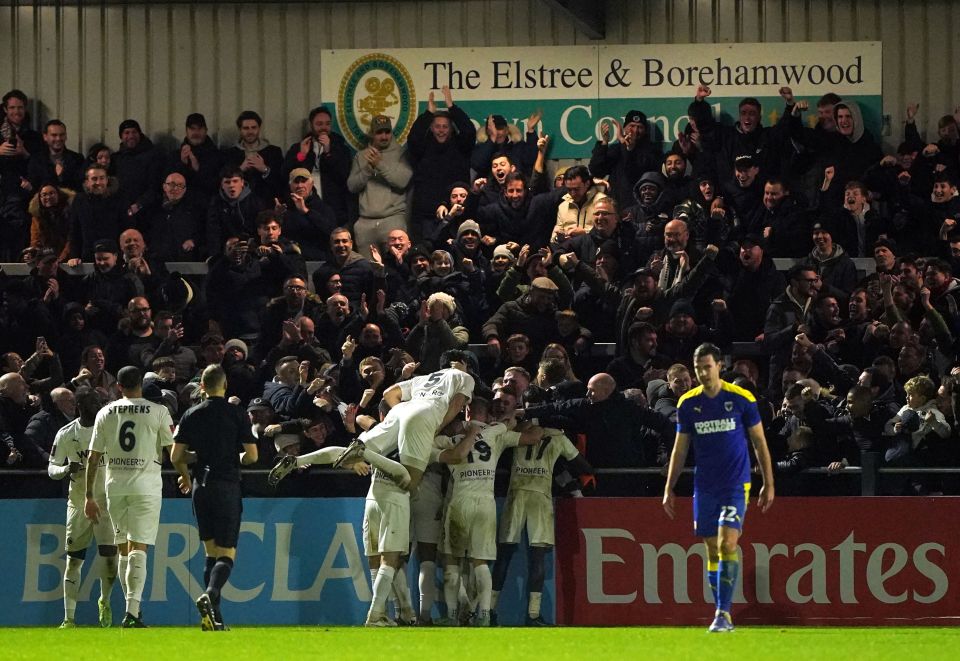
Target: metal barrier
point(869, 471)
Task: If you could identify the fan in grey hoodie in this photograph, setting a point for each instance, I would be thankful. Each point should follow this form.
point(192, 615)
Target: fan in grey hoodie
point(379, 175)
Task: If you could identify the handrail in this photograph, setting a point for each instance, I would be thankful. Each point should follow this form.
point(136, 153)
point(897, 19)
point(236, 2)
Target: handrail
point(864, 265)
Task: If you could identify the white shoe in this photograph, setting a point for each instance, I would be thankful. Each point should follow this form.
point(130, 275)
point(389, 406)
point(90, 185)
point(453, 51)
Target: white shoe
point(380, 621)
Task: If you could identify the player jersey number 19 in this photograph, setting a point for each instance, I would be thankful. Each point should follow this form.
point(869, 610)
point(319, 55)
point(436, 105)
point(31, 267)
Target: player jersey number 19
point(127, 438)
point(483, 449)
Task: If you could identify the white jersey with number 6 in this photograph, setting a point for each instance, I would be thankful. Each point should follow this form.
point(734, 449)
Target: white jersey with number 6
point(132, 433)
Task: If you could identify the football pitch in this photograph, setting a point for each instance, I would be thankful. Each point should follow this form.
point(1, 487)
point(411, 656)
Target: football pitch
point(582, 644)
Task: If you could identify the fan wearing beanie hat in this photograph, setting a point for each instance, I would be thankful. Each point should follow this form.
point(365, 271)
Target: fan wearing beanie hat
point(468, 247)
point(624, 154)
point(837, 270)
point(138, 168)
point(502, 259)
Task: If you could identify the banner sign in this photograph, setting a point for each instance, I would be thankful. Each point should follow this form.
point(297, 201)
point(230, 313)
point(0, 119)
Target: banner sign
point(299, 561)
point(579, 88)
point(846, 561)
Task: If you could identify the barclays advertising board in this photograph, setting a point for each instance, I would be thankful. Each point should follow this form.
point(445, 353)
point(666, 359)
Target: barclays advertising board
point(299, 561)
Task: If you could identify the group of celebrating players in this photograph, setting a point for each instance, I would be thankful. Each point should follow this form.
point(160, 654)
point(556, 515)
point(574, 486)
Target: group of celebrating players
point(420, 439)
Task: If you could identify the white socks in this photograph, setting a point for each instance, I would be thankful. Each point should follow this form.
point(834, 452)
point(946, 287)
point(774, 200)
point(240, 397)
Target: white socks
point(122, 563)
point(108, 577)
point(428, 588)
point(381, 590)
point(402, 590)
point(451, 590)
point(322, 456)
point(392, 468)
point(71, 587)
point(533, 606)
point(136, 580)
point(484, 582)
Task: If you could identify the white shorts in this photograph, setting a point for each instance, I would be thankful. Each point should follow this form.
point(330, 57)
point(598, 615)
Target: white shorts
point(409, 427)
point(426, 508)
point(135, 518)
point(386, 526)
point(81, 530)
point(529, 509)
point(470, 529)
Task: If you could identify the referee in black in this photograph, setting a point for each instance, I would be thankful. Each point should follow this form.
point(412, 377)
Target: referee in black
point(214, 438)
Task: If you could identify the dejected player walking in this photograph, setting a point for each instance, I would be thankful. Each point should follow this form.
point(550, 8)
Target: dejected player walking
point(719, 416)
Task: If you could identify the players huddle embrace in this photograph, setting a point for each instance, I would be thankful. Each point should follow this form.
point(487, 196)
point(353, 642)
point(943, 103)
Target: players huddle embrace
point(419, 443)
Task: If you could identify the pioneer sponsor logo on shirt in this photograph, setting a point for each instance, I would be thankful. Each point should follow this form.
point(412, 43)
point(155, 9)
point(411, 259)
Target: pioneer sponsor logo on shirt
point(123, 462)
point(538, 471)
point(715, 426)
point(475, 474)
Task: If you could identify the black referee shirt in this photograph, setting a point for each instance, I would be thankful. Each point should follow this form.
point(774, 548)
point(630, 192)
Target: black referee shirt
point(216, 431)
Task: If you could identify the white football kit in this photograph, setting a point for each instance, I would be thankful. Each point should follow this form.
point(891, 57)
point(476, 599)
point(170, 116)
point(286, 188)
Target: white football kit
point(386, 516)
point(131, 433)
point(529, 499)
point(411, 425)
point(470, 522)
point(72, 444)
point(426, 506)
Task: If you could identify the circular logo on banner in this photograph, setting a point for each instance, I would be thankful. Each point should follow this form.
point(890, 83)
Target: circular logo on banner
point(376, 84)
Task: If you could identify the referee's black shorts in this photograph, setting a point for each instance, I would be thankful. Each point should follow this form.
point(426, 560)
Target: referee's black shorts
point(218, 507)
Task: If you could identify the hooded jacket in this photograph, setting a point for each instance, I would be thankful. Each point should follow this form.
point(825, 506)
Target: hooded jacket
point(622, 167)
point(227, 218)
point(383, 192)
point(265, 187)
point(852, 156)
point(837, 272)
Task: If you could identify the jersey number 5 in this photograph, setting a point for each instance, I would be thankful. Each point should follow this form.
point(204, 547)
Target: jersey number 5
point(127, 438)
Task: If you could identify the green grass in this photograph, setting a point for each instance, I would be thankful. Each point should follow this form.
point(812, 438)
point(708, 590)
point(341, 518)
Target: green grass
point(554, 644)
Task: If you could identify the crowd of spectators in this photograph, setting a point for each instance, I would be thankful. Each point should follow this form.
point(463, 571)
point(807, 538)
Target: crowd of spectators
point(461, 237)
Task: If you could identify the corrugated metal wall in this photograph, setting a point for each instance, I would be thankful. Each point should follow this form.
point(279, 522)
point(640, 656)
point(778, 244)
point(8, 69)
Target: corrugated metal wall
point(94, 66)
